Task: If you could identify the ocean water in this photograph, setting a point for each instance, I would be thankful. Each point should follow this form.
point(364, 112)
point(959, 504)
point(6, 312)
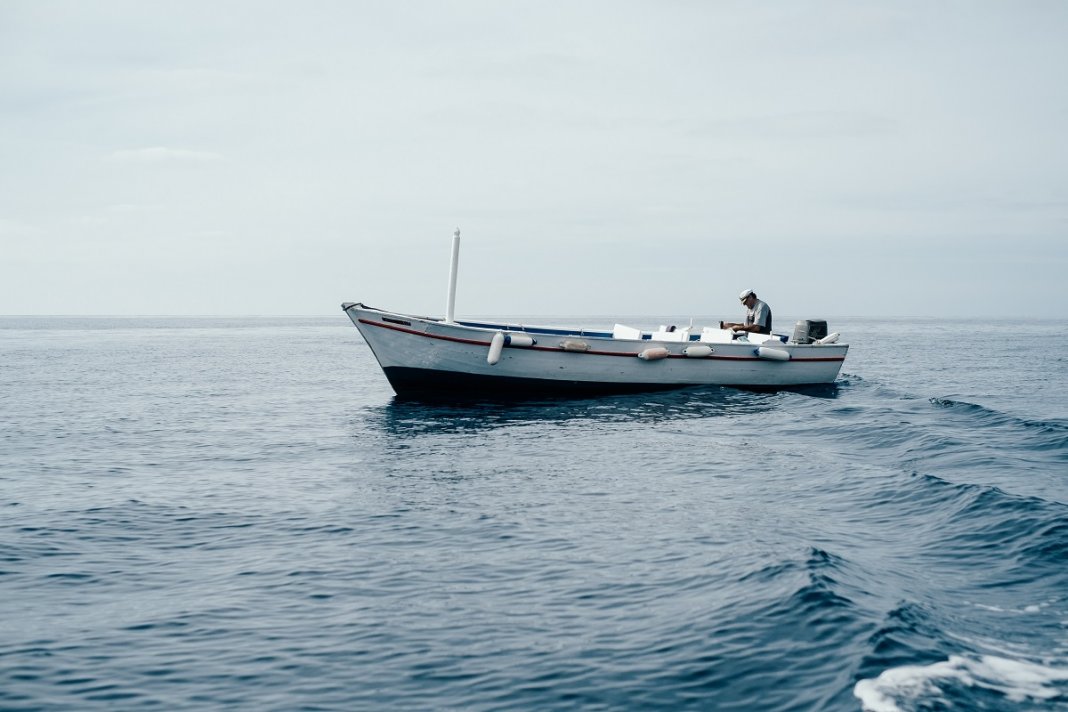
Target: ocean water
point(202, 513)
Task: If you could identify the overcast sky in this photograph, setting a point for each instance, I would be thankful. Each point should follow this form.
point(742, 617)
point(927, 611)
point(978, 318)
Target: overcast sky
point(641, 158)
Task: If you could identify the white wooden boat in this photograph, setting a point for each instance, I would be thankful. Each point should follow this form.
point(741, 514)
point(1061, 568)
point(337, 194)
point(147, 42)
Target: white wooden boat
point(426, 356)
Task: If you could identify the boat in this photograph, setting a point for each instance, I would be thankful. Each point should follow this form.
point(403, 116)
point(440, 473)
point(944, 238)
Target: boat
point(426, 357)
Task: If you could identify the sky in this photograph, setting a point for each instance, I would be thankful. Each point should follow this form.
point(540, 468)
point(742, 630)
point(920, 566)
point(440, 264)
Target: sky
point(599, 157)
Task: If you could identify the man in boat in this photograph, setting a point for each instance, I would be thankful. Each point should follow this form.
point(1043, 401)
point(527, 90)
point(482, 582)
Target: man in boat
point(757, 315)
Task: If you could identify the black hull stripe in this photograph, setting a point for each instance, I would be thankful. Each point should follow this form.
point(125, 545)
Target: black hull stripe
point(428, 384)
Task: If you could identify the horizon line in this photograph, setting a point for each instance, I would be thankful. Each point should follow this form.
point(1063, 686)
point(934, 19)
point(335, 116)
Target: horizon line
point(235, 315)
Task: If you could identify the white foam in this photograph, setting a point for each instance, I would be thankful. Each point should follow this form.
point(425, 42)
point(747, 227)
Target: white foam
point(1033, 608)
point(1017, 680)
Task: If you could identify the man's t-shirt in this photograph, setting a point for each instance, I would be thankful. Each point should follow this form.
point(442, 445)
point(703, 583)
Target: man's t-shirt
point(760, 314)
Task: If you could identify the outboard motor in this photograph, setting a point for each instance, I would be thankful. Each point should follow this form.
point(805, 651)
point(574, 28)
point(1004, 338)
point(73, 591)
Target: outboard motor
point(808, 331)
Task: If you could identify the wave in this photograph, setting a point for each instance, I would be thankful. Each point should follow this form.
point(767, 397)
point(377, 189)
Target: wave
point(800, 611)
point(964, 682)
point(992, 529)
point(996, 561)
point(1050, 433)
point(979, 529)
point(893, 419)
point(908, 634)
point(954, 440)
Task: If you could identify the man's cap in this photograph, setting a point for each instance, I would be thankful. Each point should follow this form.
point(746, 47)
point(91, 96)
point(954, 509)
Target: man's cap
point(745, 294)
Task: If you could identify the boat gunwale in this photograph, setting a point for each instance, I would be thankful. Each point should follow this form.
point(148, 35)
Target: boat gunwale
point(494, 326)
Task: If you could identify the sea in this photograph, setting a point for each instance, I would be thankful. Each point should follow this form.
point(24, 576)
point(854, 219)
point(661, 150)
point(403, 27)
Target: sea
point(238, 514)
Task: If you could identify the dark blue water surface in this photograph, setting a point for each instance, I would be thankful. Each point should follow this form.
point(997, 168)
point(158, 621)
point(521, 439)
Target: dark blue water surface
point(236, 513)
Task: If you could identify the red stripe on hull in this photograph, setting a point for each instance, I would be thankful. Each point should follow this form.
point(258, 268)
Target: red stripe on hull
point(475, 342)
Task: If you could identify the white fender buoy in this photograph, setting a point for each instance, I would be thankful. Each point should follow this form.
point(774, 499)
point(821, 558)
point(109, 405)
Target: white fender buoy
point(701, 351)
point(831, 338)
point(520, 341)
point(772, 353)
point(574, 345)
point(496, 346)
point(653, 354)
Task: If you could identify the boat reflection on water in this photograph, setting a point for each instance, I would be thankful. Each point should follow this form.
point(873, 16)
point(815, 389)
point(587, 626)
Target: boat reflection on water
point(409, 417)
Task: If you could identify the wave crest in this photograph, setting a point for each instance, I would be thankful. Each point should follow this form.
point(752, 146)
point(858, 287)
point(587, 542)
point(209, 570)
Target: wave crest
point(996, 678)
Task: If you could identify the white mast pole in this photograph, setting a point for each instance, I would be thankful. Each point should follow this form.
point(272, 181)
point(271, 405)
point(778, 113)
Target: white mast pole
point(450, 310)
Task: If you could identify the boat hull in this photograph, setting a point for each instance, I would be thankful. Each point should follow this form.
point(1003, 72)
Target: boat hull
point(424, 357)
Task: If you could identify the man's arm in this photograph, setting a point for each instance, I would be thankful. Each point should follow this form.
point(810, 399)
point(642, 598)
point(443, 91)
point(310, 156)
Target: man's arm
point(752, 328)
point(757, 327)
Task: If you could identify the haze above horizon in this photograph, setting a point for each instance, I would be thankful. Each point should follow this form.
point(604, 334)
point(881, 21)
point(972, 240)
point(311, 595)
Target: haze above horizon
point(599, 157)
